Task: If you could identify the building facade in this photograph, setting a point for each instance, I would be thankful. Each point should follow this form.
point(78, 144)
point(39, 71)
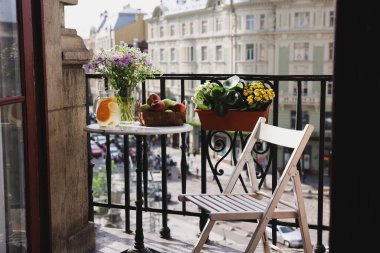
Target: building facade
point(128, 26)
point(264, 37)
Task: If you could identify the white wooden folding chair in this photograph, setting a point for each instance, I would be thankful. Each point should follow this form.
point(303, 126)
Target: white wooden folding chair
point(229, 206)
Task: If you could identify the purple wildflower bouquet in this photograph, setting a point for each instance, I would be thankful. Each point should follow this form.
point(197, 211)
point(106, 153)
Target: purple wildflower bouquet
point(125, 67)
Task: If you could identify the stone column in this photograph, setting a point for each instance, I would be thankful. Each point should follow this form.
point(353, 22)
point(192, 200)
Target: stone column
point(65, 55)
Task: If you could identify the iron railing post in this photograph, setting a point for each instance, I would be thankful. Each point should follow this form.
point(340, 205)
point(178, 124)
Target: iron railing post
point(319, 247)
point(165, 230)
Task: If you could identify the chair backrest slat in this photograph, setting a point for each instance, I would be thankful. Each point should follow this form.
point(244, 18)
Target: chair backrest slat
point(283, 137)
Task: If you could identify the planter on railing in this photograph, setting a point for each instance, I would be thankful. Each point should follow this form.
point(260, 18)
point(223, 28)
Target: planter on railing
point(234, 120)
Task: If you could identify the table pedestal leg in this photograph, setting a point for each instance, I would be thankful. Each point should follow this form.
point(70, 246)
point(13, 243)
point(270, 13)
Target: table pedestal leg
point(139, 246)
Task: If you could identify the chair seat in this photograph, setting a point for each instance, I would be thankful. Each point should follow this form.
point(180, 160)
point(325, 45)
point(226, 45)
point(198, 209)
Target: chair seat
point(237, 206)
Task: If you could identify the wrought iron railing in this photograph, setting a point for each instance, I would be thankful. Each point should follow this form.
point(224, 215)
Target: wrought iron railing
point(211, 143)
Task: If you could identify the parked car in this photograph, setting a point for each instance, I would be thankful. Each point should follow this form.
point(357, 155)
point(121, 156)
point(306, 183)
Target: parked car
point(156, 162)
point(95, 151)
point(92, 117)
point(114, 152)
point(101, 140)
point(288, 236)
point(155, 186)
point(158, 195)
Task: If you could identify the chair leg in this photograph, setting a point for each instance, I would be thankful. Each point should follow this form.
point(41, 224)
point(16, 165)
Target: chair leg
point(302, 219)
point(203, 237)
point(265, 243)
point(260, 229)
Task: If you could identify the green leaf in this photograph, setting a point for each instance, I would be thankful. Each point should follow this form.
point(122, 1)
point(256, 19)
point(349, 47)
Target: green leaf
point(217, 91)
point(233, 98)
point(231, 82)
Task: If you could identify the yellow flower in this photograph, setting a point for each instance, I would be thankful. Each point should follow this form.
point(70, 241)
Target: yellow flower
point(256, 93)
point(250, 99)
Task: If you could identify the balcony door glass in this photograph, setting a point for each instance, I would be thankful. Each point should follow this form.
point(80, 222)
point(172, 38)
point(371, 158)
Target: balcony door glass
point(9, 53)
point(13, 237)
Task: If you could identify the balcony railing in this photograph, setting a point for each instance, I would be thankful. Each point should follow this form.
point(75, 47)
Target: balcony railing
point(225, 144)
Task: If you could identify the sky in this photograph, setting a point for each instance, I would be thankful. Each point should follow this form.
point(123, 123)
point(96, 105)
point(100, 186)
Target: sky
point(87, 13)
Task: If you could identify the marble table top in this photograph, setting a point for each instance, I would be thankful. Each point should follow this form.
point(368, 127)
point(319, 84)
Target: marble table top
point(138, 129)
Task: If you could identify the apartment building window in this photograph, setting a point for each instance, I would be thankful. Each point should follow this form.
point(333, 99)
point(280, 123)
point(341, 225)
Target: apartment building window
point(331, 18)
point(301, 51)
point(152, 33)
point(188, 54)
point(305, 88)
point(204, 53)
point(218, 53)
point(204, 26)
point(172, 31)
point(250, 52)
point(301, 19)
point(329, 88)
point(293, 119)
point(331, 50)
point(262, 21)
point(218, 25)
point(162, 54)
point(183, 29)
point(295, 89)
point(161, 31)
point(191, 28)
point(250, 22)
point(172, 54)
point(238, 52)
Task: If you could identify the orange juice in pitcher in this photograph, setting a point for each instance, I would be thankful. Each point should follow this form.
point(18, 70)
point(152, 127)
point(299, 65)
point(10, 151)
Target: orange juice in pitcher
point(107, 110)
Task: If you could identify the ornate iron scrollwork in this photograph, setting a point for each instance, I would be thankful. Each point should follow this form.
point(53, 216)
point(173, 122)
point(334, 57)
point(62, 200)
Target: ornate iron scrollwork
point(226, 143)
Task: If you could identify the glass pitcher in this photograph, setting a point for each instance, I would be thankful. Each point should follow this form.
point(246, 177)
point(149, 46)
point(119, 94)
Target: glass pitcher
point(106, 109)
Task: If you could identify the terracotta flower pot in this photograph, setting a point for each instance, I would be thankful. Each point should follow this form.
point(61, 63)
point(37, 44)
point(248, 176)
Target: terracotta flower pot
point(233, 121)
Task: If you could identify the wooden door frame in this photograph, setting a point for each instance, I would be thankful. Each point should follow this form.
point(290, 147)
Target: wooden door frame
point(30, 24)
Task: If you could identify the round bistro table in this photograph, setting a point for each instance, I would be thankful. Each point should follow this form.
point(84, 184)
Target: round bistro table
point(138, 131)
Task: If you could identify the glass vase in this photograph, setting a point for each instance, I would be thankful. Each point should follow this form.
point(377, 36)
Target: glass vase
point(127, 104)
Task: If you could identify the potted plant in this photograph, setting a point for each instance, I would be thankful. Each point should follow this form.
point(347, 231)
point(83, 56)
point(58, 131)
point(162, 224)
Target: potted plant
point(232, 105)
point(125, 67)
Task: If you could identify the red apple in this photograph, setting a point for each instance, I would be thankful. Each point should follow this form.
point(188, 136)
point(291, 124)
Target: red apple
point(152, 97)
point(178, 107)
point(157, 106)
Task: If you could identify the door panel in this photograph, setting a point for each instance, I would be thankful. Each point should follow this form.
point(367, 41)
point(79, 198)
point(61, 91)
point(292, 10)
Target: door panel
point(12, 180)
point(20, 217)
